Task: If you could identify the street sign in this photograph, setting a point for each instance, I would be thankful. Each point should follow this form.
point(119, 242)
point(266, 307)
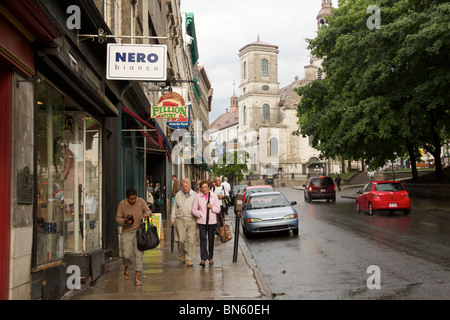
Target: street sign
point(136, 62)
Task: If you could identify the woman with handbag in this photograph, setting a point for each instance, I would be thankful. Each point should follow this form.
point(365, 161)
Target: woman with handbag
point(205, 208)
point(129, 215)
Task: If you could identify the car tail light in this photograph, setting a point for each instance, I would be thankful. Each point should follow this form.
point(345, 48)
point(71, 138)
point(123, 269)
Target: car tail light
point(310, 188)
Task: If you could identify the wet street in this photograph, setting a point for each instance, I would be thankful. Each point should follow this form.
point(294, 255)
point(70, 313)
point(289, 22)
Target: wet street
point(340, 254)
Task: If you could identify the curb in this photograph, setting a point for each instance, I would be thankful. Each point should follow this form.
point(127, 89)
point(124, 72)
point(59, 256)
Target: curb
point(266, 293)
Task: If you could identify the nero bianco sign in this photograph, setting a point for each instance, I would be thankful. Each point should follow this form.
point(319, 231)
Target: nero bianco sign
point(136, 62)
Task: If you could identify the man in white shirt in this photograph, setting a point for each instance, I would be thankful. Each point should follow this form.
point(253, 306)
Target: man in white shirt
point(226, 185)
point(220, 190)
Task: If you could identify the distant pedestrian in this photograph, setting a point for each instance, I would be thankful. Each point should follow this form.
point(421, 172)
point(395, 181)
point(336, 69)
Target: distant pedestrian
point(206, 220)
point(176, 186)
point(226, 185)
point(219, 189)
point(158, 199)
point(338, 182)
point(184, 222)
point(149, 195)
point(129, 213)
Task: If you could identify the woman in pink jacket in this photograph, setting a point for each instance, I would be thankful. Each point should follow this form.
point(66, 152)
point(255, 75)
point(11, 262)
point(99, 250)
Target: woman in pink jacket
point(204, 200)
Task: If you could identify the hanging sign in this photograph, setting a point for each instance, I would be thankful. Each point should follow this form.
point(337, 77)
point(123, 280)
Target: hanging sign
point(136, 62)
point(172, 106)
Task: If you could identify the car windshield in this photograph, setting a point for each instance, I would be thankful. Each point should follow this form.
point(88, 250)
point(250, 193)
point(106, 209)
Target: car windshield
point(238, 188)
point(267, 201)
point(389, 187)
point(318, 182)
point(264, 189)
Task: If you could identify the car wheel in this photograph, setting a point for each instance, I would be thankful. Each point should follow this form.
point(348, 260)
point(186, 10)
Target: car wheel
point(357, 207)
point(309, 198)
point(406, 212)
point(370, 209)
point(333, 199)
point(295, 231)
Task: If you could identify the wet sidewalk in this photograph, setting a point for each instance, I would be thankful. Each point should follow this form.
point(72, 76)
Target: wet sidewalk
point(166, 278)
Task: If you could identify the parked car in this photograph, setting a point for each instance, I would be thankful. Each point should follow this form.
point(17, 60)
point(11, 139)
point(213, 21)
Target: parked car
point(268, 212)
point(234, 191)
point(252, 189)
point(383, 195)
point(320, 188)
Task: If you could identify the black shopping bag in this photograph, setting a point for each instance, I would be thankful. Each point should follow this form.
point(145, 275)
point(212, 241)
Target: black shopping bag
point(147, 235)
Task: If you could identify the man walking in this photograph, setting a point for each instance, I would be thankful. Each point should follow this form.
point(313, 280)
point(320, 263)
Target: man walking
point(226, 185)
point(185, 222)
point(338, 182)
point(219, 189)
point(175, 186)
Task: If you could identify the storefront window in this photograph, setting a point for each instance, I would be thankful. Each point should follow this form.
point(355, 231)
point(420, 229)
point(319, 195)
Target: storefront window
point(82, 176)
point(50, 175)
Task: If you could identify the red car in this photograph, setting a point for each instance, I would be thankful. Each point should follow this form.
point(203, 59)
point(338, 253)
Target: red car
point(383, 195)
point(320, 188)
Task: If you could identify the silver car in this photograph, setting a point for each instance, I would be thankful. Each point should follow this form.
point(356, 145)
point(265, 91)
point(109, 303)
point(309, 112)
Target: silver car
point(268, 212)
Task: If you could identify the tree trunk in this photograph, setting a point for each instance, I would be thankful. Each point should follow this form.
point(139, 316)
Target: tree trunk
point(436, 146)
point(412, 158)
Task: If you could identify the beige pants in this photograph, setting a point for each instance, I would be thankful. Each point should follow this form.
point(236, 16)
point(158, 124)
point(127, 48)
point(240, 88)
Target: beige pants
point(130, 251)
point(185, 232)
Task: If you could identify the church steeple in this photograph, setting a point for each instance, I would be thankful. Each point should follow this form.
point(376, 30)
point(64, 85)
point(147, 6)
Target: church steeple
point(234, 100)
point(324, 12)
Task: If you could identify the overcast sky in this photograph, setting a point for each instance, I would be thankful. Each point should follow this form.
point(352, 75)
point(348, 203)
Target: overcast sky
point(223, 27)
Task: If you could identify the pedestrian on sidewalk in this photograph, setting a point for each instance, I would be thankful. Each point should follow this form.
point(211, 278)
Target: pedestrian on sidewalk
point(205, 208)
point(176, 186)
point(184, 222)
point(220, 190)
point(129, 213)
point(338, 182)
point(149, 196)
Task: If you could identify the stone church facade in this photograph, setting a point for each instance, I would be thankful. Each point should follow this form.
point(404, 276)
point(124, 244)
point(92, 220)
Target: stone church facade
point(263, 118)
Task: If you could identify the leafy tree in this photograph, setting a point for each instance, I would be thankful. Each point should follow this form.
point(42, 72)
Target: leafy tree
point(232, 165)
point(386, 91)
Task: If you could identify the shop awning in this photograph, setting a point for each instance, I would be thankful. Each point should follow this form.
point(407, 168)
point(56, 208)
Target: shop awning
point(161, 137)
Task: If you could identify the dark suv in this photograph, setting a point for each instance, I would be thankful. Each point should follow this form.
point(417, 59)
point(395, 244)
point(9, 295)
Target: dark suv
point(320, 188)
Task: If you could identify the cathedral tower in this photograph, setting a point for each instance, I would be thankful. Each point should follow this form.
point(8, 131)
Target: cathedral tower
point(324, 12)
point(259, 87)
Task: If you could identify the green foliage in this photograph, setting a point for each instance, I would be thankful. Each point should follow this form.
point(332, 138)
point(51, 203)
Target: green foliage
point(232, 165)
point(386, 91)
